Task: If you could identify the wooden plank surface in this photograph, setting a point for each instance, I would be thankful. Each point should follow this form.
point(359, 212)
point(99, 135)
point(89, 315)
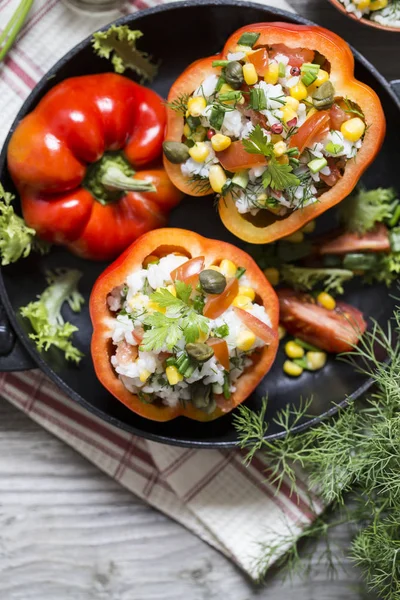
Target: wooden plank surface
point(68, 532)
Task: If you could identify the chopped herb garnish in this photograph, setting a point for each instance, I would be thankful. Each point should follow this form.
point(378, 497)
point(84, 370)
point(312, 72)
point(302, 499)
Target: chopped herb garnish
point(217, 116)
point(183, 291)
point(281, 70)
point(279, 177)
point(220, 83)
point(309, 72)
point(333, 148)
point(221, 331)
point(198, 303)
point(258, 100)
point(180, 103)
point(193, 122)
point(353, 108)
point(234, 96)
point(248, 39)
point(220, 63)
point(226, 386)
point(239, 272)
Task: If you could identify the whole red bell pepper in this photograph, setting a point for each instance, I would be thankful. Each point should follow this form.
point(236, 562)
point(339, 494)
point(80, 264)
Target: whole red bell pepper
point(202, 251)
point(300, 43)
point(72, 160)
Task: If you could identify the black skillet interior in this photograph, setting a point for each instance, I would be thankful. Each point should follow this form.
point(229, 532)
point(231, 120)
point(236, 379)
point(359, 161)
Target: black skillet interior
point(179, 34)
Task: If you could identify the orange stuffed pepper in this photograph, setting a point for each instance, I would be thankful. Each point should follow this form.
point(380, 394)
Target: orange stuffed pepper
point(276, 125)
point(183, 325)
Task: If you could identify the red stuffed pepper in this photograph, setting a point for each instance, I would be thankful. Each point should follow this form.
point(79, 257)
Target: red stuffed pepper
point(72, 160)
point(183, 325)
point(276, 125)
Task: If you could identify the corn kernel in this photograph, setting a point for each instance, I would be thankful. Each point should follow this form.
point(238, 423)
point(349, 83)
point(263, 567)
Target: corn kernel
point(293, 350)
point(309, 227)
point(225, 88)
point(281, 332)
point(217, 178)
point(215, 268)
point(322, 77)
point(187, 132)
point(199, 152)
point(290, 368)
point(144, 375)
point(280, 148)
point(292, 102)
point(171, 289)
point(272, 75)
point(245, 340)
point(353, 129)
point(316, 360)
point(228, 268)
point(311, 112)
point(362, 4)
point(196, 105)
point(250, 74)
point(299, 91)
point(296, 238)
point(245, 290)
point(242, 302)
point(220, 142)
point(272, 275)
point(378, 4)
point(173, 375)
point(326, 300)
point(288, 113)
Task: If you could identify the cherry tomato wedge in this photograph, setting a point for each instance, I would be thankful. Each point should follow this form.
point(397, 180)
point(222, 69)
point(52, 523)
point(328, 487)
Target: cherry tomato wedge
point(216, 304)
point(259, 58)
point(235, 158)
point(221, 351)
point(330, 330)
point(189, 271)
point(338, 116)
point(376, 240)
point(297, 56)
point(310, 131)
point(260, 329)
point(333, 176)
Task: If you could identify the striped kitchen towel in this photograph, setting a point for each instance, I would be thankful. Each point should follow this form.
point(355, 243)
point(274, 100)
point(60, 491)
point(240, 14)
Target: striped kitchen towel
point(211, 492)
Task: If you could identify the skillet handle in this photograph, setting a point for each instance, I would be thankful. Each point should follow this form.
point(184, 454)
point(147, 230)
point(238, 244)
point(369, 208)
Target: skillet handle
point(13, 356)
point(395, 85)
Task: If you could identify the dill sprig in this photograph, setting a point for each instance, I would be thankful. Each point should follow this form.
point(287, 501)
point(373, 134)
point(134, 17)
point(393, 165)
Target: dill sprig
point(199, 184)
point(352, 456)
point(179, 104)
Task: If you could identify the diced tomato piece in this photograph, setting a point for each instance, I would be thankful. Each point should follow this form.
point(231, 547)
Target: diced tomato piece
point(259, 58)
point(216, 304)
point(126, 353)
point(338, 116)
point(221, 351)
point(330, 330)
point(296, 56)
point(235, 158)
point(260, 329)
point(376, 240)
point(333, 176)
point(312, 129)
point(189, 271)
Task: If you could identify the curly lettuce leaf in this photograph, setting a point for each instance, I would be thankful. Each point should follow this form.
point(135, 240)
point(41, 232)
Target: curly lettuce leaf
point(118, 44)
point(16, 238)
point(45, 316)
point(360, 211)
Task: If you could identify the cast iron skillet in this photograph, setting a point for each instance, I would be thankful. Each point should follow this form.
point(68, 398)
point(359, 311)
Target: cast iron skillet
point(178, 34)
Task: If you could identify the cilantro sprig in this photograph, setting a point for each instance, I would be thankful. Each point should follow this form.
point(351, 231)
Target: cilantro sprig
point(179, 320)
point(277, 176)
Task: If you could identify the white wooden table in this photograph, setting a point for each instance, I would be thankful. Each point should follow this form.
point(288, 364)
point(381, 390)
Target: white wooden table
point(68, 532)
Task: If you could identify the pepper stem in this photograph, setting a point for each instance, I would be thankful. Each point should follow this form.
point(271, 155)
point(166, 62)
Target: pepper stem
point(110, 178)
point(115, 179)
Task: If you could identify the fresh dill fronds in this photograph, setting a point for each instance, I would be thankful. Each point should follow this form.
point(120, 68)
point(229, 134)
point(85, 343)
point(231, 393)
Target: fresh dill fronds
point(308, 278)
point(179, 104)
point(360, 211)
point(199, 184)
point(352, 108)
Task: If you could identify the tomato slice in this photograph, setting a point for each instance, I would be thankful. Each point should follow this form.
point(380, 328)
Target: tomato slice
point(333, 176)
point(260, 329)
point(330, 330)
point(235, 158)
point(221, 351)
point(259, 58)
point(338, 116)
point(296, 56)
point(189, 271)
point(310, 131)
point(216, 304)
point(376, 240)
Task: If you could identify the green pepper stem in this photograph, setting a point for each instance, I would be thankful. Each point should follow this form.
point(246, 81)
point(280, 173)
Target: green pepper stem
point(115, 179)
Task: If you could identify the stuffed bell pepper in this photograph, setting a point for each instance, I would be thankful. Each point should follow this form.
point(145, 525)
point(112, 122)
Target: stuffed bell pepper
point(73, 158)
point(183, 325)
point(276, 125)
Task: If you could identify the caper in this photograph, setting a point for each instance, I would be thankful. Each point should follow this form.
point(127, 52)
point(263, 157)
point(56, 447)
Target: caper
point(324, 96)
point(233, 74)
point(199, 351)
point(212, 282)
point(201, 395)
point(176, 152)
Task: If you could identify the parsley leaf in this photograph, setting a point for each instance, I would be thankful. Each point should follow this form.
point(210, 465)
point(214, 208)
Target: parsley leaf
point(164, 331)
point(221, 331)
point(192, 325)
point(183, 291)
point(257, 143)
point(279, 177)
point(165, 299)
